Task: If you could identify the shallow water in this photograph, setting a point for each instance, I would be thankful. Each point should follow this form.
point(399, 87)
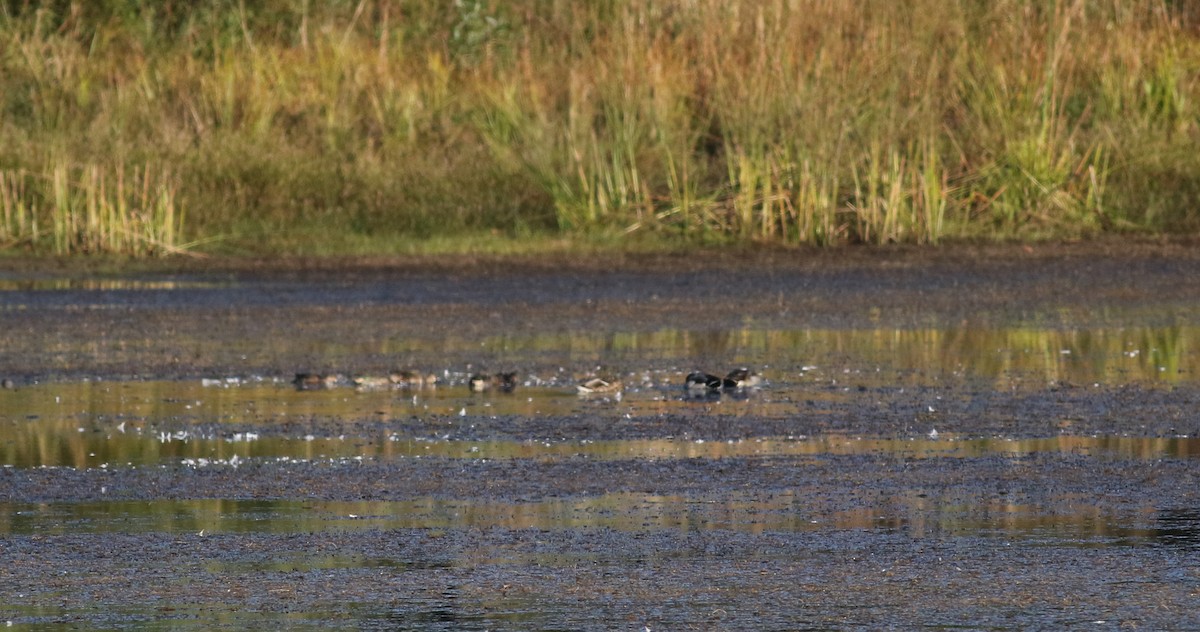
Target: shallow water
point(1020, 455)
point(107, 424)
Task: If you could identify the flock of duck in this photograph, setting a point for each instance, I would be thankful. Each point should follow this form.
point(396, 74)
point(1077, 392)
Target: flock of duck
point(398, 379)
point(697, 382)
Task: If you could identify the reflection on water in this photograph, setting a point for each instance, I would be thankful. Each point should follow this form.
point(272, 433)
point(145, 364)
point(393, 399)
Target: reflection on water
point(93, 423)
point(34, 445)
point(105, 424)
point(1006, 357)
point(1050, 355)
point(912, 513)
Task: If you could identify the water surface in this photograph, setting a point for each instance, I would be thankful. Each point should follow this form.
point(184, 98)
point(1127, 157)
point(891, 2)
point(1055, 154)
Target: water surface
point(940, 443)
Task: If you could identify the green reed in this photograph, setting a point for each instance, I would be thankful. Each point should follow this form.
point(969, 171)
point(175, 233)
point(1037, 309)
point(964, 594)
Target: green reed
point(780, 121)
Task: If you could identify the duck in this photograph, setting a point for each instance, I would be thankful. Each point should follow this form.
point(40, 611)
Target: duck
point(742, 378)
point(314, 381)
point(503, 382)
point(701, 381)
point(411, 378)
point(599, 385)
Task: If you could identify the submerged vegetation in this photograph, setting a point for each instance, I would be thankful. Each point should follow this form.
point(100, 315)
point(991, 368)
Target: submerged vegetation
point(370, 124)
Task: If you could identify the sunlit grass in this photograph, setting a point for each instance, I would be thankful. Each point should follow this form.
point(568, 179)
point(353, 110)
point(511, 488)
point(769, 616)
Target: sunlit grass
point(86, 210)
point(272, 124)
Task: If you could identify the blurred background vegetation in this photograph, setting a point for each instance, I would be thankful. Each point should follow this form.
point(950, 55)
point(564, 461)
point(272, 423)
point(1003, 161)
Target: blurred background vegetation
point(382, 126)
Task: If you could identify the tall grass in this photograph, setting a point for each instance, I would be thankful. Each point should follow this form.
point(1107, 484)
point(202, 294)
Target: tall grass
point(86, 210)
point(785, 121)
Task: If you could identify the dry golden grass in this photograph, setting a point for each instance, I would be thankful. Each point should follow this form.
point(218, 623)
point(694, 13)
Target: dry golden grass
point(786, 121)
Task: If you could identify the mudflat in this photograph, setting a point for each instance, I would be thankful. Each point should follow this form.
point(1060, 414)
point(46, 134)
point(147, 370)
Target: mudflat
point(996, 437)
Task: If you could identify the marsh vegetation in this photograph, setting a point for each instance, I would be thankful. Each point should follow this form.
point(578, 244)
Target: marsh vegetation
point(375, 125)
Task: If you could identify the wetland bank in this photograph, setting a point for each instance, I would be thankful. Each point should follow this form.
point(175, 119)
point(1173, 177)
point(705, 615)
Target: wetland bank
point(997, 437)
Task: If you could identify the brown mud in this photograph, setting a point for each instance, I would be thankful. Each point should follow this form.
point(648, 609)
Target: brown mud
point(977, 437)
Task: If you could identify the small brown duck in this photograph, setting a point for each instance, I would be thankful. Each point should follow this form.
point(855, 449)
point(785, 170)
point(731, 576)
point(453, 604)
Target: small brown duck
point(503, 382)
point(411, 378)
point(598, 385)
point(742, 378)
point(314, 381)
